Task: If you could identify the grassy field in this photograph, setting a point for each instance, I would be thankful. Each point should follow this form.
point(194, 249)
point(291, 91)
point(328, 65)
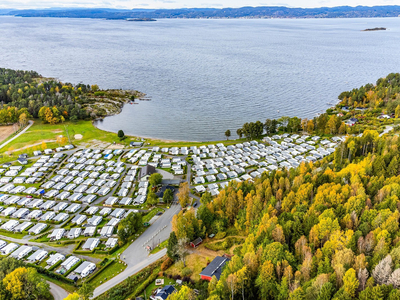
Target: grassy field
point(195, 262)
point(40, 133)
point(108, 273)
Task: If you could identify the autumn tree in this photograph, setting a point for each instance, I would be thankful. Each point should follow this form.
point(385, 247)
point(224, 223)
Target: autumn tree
point(25, 283)
point(183, 194)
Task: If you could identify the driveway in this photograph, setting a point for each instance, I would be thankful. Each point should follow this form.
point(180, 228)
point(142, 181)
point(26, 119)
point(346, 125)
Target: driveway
point(58, 292)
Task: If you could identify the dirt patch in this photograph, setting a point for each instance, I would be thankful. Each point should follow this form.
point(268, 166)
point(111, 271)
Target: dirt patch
point(116, 146)
point(95, 144)
point(57, 131)
point(78, 136)
point(5, 132)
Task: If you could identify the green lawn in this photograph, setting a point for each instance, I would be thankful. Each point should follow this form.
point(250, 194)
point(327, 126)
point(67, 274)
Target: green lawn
point(40, 132)
point(12, 234)
point(108, 273)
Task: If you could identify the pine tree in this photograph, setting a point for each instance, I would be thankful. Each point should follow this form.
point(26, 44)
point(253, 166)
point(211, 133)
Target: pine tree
point(172, 244)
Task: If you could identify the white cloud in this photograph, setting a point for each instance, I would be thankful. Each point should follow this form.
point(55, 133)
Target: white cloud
point(129, 4)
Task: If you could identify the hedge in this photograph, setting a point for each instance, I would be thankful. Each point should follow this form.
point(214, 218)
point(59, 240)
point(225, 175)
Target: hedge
point(101, 269)
point(73, 268)
point(145, 283)
point(55, 265)
point(110, 251)
point(125, 288)
point(67, 221)
point(78, 245)
point(44, 271)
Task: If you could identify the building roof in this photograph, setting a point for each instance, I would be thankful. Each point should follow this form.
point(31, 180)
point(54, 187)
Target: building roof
point(147, 170)
point(197, 241)
point(215, 267)
point(165, 292)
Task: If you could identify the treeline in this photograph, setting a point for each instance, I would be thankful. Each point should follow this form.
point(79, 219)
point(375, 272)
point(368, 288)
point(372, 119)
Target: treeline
point(11, 115)
point(323, 124)
point(328, 230)
point(385, 94)
point(27, 89)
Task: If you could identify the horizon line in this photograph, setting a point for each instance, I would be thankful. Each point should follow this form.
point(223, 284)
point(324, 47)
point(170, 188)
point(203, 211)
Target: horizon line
point(188, 8)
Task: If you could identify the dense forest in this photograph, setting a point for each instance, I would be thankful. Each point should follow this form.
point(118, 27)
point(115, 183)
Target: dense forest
point(385, 94)
point(328, 230)
point(53, 101)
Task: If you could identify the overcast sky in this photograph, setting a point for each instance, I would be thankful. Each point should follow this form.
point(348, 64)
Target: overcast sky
point(129, 4)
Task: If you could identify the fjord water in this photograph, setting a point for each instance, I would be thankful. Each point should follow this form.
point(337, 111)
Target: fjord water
point(206, 76)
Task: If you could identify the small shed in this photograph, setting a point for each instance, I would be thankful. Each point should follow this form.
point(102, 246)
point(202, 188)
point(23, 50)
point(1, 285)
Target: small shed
point(196, 242)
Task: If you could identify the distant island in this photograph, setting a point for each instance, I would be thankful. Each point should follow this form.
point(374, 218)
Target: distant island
point(375, 29)
point(142, 20)
point(260, 12)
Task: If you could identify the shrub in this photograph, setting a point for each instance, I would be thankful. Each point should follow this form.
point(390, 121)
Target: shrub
point(220, 235)
point(166, 264)
point(186, 272)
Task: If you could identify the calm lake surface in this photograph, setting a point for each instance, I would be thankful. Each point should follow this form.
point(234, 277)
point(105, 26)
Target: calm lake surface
point(206, 76)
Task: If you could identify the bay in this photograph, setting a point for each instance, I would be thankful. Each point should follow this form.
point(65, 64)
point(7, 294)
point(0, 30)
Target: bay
point(206, 76)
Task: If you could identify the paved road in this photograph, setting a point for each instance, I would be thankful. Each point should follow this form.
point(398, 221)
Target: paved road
point(58, 292)
point(136, 255)
point(23, 131)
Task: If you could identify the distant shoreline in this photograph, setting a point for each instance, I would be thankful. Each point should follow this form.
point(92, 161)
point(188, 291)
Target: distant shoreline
point(259, 12)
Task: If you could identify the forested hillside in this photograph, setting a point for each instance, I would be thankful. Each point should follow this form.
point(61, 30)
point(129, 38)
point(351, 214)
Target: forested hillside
point(53, 101)
point(386, 93)
point(242, 12)
point(323, 231)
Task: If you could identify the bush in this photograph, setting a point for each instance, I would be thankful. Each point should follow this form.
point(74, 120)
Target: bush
point(186, 272)
point(176, 277)
point(220, 235)
point(166, 264)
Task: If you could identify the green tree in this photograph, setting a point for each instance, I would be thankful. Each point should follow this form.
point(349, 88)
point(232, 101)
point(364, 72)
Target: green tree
point(128, 226)
point(227, 134)
point(171, 248)
point(168, 196)
point(121, 135)
point(155, 179)
point(239, 132)
point(86, 291)
point(152, 199)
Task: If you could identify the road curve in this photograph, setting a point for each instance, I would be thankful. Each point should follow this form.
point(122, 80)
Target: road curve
point(23, 131)
point(58, 292)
